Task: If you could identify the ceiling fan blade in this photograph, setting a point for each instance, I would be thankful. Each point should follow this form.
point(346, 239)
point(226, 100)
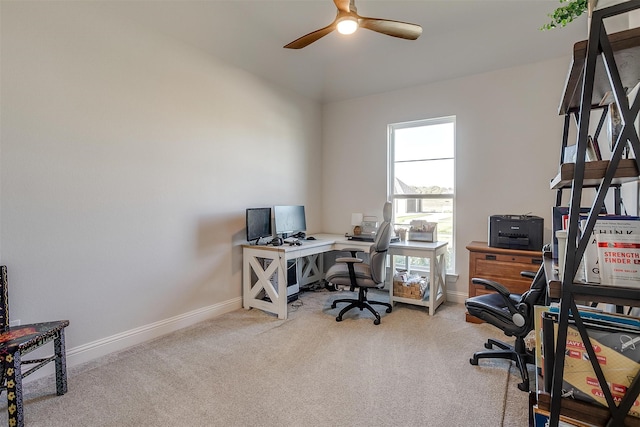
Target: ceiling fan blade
point(403, 30)
point(307, 39)
point(342, 5)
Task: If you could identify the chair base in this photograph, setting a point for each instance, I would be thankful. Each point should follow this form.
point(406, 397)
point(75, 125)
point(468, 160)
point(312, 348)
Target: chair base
point(517, 354)
point(361, 303)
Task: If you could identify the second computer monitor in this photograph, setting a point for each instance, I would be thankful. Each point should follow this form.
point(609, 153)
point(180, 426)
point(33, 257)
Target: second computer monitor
point(289, 220)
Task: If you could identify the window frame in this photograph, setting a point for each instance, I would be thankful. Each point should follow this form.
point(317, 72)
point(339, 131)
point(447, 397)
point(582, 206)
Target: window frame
point(391, 196)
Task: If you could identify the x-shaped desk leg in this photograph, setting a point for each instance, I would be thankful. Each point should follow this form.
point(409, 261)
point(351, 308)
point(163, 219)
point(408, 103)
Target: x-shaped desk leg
point(264, 278)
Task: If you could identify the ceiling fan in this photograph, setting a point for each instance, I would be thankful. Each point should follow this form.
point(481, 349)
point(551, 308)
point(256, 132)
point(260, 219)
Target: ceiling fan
point(348, 21)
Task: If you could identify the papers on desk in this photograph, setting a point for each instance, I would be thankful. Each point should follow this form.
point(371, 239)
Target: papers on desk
point(292, 242)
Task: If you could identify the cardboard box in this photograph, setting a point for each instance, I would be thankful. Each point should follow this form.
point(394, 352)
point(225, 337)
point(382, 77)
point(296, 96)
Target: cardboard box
point(617, 348)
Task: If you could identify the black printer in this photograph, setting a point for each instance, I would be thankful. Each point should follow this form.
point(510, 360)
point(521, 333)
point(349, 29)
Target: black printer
point(516, 232)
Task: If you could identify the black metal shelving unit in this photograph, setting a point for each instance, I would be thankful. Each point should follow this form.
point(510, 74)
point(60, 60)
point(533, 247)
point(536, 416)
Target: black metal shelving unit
point(605, 68)
point(565, 139)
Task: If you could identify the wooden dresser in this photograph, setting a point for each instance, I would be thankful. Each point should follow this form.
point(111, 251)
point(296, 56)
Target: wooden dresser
point(500, 265)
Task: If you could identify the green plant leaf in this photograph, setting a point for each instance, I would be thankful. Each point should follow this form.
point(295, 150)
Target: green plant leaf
point(566, 14)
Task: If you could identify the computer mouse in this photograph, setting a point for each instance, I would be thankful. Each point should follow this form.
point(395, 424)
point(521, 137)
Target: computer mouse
point(311, 238)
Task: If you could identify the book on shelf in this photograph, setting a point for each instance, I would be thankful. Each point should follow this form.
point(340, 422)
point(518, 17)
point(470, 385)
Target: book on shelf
point(537, 327)
point(592, 154)
point(544, 344)
point(614, 225)
point(541, 419)
point(619, 259)
point(560, 221)
point(559, 217)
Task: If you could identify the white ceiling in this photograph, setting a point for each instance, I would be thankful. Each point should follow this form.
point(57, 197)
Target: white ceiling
point(460, 37)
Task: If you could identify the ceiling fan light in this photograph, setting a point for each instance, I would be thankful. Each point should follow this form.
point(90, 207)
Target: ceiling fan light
point(347, 25)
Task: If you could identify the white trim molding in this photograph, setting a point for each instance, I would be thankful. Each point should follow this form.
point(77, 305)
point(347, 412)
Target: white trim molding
point(95, 349)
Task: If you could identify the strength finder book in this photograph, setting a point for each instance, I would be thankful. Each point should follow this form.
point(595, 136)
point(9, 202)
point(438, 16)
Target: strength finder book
point(619, 258)
point(611, 225)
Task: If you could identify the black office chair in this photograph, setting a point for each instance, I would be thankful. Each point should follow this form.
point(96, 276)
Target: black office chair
point(353, 272)
point(513, 314)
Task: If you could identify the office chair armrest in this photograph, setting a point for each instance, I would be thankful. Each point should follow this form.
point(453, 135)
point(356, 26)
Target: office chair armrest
point(490, 284)
point(504, 293)
point(349, 260)
point(528, 274)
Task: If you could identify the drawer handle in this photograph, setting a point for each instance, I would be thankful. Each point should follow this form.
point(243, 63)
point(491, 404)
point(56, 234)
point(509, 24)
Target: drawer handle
point(491, 257)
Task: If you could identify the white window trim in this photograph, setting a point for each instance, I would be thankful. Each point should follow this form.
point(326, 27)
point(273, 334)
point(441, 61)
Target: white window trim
point(391, 128)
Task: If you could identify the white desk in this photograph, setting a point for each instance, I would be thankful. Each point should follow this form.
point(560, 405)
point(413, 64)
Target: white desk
point(261, 263)
point(436, 254)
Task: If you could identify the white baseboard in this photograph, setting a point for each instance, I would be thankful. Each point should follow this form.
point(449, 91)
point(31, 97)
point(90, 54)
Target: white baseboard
point(93, 350)
point(457, 297)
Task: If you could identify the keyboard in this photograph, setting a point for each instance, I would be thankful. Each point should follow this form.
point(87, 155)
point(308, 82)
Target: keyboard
point(371, 239)
point(362, 238)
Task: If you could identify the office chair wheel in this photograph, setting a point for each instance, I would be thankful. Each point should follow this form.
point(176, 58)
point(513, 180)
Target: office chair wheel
point(473, 361)
point(339, 318)
point(388, 310)
point(523, 386)
point(377, 321)
point(488, 346)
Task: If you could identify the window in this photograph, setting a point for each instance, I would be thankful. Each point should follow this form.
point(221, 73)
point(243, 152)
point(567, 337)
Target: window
point(421, 177)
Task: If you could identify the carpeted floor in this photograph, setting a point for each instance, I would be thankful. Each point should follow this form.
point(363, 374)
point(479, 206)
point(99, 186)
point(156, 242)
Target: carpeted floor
point(249, 368)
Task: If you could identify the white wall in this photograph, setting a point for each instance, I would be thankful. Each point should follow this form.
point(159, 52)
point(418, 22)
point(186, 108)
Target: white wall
point(128, 160)
point(127, 163)
point(508, 146)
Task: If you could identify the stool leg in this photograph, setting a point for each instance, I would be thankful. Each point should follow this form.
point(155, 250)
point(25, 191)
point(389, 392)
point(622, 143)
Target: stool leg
point(61, 363)
point(11, 363)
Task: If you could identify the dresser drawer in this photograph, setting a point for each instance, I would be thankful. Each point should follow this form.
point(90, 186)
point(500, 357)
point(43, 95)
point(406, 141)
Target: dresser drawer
point(511, 259)
point(514, 286)
point(484, 268)
point(500, 265)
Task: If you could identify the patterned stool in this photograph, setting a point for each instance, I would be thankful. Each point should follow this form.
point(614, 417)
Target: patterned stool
point(17, 341)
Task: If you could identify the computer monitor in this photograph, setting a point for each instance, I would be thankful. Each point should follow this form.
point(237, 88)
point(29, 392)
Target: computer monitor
point(289, 220)
point(258, 223)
